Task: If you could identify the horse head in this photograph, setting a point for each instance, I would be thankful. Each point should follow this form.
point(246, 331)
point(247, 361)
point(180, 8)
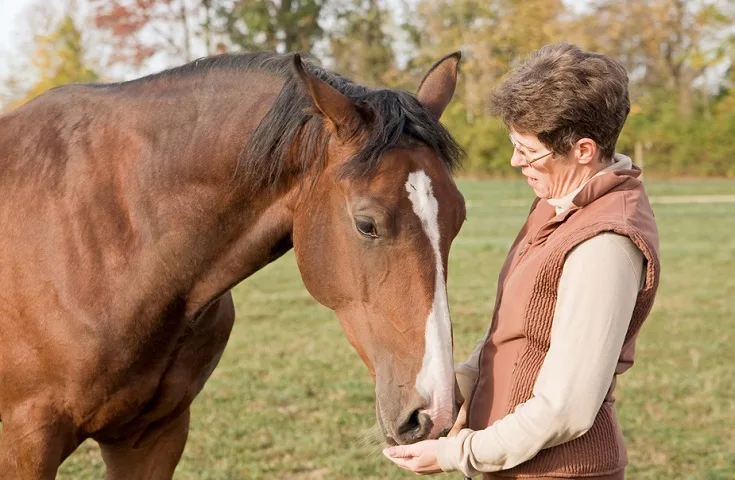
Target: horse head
point(372, 240)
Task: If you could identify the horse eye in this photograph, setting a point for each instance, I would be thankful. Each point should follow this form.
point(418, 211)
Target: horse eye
point(366, 227)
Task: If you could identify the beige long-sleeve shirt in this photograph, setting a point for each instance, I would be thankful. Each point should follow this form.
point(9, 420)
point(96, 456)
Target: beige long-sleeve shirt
point(596, 296)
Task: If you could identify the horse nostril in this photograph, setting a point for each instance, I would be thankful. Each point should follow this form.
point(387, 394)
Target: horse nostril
point(411, 423)
point(416, 427)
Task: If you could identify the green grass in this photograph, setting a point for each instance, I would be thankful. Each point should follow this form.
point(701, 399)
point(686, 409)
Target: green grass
point(291, 399)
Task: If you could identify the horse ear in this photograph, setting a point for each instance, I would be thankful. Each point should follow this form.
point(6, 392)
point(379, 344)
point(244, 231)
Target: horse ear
point(335, 106)
point(437, 87)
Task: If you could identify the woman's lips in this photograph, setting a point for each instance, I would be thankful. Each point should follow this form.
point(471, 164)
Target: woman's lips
point(532, 181)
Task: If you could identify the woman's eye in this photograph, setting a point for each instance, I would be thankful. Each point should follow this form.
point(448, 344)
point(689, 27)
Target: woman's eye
point(366, 227)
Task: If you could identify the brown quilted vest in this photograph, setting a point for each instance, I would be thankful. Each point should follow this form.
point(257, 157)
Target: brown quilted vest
point(520, 334)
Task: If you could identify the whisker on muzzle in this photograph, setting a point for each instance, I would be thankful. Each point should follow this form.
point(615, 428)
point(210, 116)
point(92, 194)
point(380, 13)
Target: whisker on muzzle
point(372, 437)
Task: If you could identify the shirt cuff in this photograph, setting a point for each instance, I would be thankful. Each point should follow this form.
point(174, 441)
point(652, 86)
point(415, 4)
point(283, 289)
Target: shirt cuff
point(446, 453)
point(449, 451)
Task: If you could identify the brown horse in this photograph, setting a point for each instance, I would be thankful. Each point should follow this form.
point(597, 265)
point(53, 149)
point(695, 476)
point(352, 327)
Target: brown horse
point(130, 210)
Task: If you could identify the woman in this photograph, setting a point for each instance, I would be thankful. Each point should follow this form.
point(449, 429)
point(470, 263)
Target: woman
point(576, 286)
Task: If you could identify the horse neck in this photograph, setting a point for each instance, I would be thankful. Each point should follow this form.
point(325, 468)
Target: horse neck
point(199, 124)
point(224, 228)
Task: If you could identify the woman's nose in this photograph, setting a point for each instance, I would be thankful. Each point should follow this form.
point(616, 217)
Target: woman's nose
point(516, 160)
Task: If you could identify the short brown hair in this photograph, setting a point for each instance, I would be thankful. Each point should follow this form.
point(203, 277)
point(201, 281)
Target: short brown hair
point(562, 94)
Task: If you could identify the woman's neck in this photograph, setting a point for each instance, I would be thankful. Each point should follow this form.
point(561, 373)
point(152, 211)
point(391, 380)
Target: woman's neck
point(576, 178)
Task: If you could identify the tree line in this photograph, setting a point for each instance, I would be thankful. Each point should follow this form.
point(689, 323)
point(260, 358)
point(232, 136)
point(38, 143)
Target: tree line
point(678, 53)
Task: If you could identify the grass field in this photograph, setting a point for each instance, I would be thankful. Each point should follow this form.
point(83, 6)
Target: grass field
point(291, 399)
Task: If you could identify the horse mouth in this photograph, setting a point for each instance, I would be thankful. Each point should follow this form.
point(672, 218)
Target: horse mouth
point(390, 442)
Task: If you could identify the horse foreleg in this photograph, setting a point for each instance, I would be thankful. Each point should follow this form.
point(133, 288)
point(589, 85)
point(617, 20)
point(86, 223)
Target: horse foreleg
point(152, 456)
point(34, 442)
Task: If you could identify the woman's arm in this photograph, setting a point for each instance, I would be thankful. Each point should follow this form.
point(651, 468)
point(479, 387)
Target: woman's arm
point(597, 293)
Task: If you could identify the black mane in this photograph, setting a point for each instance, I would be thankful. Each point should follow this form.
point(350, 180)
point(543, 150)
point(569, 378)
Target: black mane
point(397, 115)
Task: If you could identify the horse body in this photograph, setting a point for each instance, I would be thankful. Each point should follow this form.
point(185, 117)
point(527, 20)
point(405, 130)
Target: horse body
point(128, 312)
point(125, 224)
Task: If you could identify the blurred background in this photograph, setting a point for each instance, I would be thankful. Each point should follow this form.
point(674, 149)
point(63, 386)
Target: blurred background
point(678, 53)
point(290, 398)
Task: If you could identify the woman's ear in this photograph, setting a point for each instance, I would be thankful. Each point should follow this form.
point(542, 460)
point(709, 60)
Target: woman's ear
point(586, 151)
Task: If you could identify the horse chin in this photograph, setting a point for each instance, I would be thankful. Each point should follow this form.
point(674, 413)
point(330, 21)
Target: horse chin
point(389, 441)
point(383, 432)
point(385, 435)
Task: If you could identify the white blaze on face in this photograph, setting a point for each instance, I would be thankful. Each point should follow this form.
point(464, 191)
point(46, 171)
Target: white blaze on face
point(435, 380)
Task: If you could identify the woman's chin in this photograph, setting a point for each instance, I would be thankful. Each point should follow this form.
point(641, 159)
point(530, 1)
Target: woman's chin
point(536, 186)
point(540, 191)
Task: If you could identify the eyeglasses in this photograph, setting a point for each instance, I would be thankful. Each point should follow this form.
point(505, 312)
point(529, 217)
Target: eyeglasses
point(523, 156)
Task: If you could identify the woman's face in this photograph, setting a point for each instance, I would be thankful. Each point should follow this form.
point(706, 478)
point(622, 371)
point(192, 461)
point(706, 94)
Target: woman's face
point(549, 174)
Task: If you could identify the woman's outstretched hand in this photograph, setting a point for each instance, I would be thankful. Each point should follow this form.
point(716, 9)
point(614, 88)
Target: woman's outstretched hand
point(419, 457)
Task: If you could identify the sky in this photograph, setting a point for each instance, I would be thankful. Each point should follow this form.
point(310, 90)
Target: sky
point(9, 11)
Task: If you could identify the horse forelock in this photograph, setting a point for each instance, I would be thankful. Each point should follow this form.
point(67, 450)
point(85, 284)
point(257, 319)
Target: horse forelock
point(397, 120)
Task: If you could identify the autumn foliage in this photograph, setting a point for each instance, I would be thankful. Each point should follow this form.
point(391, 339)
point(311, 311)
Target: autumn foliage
point(679, 55)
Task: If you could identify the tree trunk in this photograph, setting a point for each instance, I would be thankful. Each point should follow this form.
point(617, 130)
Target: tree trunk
point(207, 4)
point(183, 17)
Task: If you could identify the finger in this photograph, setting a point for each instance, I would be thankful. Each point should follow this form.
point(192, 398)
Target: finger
point(463, 411)
point(402, 462)
point(402, 451)
point(458, 426)
point(461, 421)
